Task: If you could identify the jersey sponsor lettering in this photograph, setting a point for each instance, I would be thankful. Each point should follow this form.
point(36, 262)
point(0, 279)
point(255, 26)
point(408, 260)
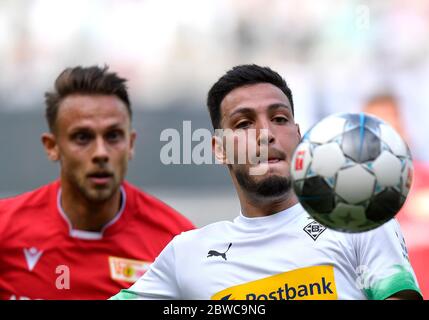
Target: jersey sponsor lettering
point(301, 284)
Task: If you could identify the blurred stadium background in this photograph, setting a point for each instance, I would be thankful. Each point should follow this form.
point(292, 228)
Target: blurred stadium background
point(333, 53)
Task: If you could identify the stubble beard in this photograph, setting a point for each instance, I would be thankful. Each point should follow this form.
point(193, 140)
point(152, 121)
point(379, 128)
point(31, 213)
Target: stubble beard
point(92, 194)
point(270, 188)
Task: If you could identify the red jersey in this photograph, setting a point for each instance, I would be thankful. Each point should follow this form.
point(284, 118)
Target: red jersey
point(414, 221)
point(43, 257)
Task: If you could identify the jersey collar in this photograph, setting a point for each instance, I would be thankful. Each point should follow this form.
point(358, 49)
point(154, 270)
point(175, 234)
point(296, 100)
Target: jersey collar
point(284, 216)
point(91, 235)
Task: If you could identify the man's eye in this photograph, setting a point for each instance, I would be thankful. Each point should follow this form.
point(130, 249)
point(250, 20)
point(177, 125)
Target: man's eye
point(81, 137)
point(114, 136)
point(243, 125)
point(280, 120)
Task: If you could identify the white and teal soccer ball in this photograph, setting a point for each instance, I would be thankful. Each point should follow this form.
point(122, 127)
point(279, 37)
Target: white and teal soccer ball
point(352, 172)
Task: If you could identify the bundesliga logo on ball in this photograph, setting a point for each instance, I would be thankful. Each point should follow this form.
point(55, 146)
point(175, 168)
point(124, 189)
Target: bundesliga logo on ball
point(352, 172)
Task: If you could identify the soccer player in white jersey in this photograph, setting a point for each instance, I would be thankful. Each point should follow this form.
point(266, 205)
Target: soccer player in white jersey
point(273, 250)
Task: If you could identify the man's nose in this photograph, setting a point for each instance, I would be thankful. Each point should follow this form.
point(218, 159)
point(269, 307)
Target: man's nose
point(264, 133)
point(100, 153)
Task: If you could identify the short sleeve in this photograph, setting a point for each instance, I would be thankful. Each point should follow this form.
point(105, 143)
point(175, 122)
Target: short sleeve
point(158, 283)
point(383, 262)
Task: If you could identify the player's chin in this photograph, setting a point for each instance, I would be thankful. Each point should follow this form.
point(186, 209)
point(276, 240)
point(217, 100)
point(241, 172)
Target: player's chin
point(264, 170)
point(273, 187)
point(100, 193)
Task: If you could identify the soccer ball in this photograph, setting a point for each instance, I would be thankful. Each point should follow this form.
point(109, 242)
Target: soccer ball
point(352, 172)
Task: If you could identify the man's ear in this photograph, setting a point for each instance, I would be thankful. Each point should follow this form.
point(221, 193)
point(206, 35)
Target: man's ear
point(49, 142)
point(299, 131)
point(133, 137)
point(218, 149)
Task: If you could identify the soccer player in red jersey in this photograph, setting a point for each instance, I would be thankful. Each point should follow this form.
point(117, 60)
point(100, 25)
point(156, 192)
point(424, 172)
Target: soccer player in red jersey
point(414, 215)
point(89, 234)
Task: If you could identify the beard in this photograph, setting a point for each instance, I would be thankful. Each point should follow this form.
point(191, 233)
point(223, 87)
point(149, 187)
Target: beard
point(271, 187)
point(93, 194)
point(98, 196)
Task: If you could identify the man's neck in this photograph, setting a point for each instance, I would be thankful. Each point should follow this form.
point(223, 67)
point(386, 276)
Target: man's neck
point(253, 207)
point(89, 216)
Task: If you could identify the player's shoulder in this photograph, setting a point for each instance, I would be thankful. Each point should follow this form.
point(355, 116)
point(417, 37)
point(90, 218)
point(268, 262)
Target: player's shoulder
point(24, 209)
point(210, 232)
point(31, 199)
point(390, 227)
point(385, 235)
point(149, 206)
point(143, 200)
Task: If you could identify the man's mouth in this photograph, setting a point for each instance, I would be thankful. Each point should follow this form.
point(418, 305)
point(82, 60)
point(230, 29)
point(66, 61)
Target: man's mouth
point(100, 177)
point(274, 160)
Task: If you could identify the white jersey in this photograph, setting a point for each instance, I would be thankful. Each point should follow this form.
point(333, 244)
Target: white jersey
point(287, 255)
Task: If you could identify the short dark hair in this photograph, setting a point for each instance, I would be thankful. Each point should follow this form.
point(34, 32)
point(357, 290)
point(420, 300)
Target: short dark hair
point(240, 76)
point(84, 80)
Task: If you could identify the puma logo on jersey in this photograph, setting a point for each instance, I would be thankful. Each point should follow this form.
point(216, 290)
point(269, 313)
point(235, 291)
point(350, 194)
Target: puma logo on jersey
point(32, 256)
point(214, 253)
